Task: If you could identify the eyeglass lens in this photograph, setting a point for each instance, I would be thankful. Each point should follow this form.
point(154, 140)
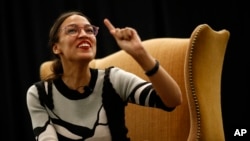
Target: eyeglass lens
point(74, 30)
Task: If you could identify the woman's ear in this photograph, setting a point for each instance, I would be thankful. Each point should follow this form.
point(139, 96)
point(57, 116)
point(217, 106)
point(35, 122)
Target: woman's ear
point(56, 50)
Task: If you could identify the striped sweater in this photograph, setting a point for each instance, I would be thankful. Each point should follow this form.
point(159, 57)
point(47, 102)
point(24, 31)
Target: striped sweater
point(60, 113)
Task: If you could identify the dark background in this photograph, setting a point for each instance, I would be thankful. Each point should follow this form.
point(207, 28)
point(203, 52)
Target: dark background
point(24, 27)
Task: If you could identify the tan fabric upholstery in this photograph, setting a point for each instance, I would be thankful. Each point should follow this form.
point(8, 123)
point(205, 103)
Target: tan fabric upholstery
point(196, 64)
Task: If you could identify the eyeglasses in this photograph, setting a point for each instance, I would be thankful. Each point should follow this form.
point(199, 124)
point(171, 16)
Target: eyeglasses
point(75, 30)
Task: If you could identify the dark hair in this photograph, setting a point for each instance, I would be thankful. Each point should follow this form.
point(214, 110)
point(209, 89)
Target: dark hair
point(54, 38)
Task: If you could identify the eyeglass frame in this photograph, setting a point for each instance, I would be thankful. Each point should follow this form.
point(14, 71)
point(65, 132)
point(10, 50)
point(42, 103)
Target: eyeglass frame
point(79, 29)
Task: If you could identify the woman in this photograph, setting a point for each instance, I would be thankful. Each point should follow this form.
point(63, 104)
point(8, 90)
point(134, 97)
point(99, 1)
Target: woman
point(82, 103)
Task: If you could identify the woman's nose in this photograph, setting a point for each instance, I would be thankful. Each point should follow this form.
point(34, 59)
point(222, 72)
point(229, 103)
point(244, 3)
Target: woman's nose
point(82, 32)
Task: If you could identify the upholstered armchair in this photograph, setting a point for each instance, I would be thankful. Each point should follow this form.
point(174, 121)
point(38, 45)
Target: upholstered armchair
point(196, 64)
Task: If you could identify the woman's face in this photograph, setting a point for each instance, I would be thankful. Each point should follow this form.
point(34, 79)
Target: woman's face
point(77, 40)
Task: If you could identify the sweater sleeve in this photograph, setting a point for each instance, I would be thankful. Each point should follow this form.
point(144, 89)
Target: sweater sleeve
point(135, 90)
point(124, 82)
point(48, 135)
point(40, 120)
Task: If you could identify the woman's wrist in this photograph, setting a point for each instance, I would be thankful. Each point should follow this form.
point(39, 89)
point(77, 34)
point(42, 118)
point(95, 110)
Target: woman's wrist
point(154, 69)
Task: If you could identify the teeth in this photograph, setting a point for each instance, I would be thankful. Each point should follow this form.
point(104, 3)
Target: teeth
point(84, 45)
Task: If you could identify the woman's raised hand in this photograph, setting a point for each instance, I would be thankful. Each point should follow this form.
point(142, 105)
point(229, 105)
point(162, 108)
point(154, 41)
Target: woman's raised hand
point(127, 38)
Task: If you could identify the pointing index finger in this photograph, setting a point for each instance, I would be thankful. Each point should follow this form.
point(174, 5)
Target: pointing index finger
point(108, 24)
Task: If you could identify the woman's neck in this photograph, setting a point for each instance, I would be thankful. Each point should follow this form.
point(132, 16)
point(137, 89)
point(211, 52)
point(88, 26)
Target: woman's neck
point(77, 79)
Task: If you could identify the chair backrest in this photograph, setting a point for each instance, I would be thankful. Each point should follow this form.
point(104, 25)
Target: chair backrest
point(196, 64)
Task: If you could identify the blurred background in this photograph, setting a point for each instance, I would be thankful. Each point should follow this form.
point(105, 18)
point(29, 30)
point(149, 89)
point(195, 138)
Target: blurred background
point(24, 27)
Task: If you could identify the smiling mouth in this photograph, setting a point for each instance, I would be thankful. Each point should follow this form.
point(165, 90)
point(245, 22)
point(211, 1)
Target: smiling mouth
point(84, 45)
